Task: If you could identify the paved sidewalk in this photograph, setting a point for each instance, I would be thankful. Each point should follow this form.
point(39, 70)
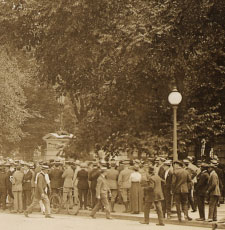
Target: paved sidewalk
point(153, 217)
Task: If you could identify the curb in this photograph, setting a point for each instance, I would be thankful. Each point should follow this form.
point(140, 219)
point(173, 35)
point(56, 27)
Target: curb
point(192, 223)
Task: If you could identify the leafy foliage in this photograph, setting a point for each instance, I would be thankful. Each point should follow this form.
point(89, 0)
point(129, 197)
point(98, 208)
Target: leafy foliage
point(117, 61)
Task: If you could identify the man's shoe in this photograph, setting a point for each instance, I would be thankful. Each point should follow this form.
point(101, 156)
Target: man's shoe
point(143, 222)
point(135, 213)
point(109, 218)
point(13, 211)
point(209, 220)
point(214, 226)
point(188, 218)
point(221, 221)
point(200, 219)
point(26, 213)
point(161, 224)
point(49, 216)
point(194, 210)
point(92, 216)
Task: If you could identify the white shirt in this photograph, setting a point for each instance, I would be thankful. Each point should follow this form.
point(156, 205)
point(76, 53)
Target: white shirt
point(135, 177)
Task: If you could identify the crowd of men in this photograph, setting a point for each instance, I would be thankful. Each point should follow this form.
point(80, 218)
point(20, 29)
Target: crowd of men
point(138, 185)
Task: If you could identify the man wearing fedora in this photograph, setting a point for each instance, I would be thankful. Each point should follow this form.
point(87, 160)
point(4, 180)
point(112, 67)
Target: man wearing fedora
point(153, 194)
point(68, 183)
point(82, 185)
point(180, 180)
point(201, 188)
point(125, 184)
point(213, 192)
point(27, 186)
point(55, 175)
point(166, 172)
point(40, 194)
point(102, 194)
point(112, 178)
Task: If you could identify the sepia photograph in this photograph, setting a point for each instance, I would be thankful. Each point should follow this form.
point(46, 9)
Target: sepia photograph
point(112, 114)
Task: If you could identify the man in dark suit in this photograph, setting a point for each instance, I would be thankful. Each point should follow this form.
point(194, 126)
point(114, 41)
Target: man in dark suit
point(82, 185)
point(166, 172)
point(213, 192)
point(153, 194)
point(27, 186)
point(93, 176)
point(55, 176)
point(180, 180)
point(3, 188)
point(201, 188)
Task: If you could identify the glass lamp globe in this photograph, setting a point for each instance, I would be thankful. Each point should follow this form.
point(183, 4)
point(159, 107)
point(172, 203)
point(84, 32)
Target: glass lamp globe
point(175, 97)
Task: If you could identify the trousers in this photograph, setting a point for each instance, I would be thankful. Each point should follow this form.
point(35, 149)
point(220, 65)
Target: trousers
point(147, 208)
point(181, 200)
point(26, 198)
point(201, 206)
point(83, 197)
point(45, 201)
point(103, 201)
point(3, 196)
point(213, 201)
point(18, 201)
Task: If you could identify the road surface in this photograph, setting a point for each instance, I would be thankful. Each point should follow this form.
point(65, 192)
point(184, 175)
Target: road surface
point(37, 221)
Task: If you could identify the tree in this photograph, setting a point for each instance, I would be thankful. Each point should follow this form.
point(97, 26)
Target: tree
point(118, 68)
point(13, 100)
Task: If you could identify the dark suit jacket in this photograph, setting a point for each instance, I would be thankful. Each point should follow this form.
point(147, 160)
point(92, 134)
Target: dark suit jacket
point(55, 177)
point(27, 181)
point(82, 177)
point(153, 192)
point(93, 176)
point(180, 181)
point(202, 183)
point(3, 181)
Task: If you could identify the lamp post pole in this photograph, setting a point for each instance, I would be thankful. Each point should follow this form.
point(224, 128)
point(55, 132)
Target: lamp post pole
point(175, 99)
point(175, 156)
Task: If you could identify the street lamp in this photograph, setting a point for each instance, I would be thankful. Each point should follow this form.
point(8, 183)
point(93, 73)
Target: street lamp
point(175, 99)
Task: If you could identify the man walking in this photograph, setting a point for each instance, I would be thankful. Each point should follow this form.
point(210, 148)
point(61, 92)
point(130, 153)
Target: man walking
point(153, 194)
point(40, 194)
point(102, 190)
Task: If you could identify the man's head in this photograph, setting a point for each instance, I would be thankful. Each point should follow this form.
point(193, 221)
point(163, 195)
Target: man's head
point(186, 162)
point(211, 167)
point(177, 164)
point(204, 166)
point(151, 170)
point(103, 171)
point(45, 169)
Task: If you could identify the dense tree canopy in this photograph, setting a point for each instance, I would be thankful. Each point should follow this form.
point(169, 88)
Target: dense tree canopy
point(118, 61)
